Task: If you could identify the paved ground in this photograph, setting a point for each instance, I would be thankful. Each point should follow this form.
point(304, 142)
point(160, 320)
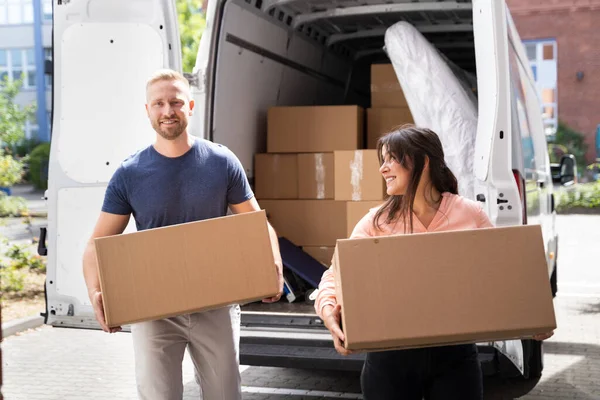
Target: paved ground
point(53, 363)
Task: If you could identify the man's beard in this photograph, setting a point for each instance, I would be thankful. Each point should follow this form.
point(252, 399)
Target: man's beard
point(170, 133)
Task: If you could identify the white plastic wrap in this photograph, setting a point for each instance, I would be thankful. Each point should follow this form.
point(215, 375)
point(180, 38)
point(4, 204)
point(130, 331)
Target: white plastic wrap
point(437, 99)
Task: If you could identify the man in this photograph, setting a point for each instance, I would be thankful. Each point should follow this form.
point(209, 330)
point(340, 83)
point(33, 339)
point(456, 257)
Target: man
point(178, 179)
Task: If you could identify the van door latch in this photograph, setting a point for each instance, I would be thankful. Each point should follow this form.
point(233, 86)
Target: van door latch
point(42, 249)
point(501, 201)
point(481, 197)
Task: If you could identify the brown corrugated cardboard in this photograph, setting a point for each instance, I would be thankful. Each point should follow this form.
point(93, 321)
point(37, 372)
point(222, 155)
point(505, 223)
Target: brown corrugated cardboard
point(475, 286)
point(385, 88)
point(276, 176)
point(315, 222)
point(185, 268)
point(314, 129)
point(383, 120)
point(315, 176)
point(357, 176)
point(323, 254)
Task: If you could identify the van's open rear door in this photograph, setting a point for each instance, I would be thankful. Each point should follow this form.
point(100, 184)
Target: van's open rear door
point(104, 50)
point(495, 186)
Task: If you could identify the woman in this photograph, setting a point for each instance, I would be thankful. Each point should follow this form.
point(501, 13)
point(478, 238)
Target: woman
point(423, 197)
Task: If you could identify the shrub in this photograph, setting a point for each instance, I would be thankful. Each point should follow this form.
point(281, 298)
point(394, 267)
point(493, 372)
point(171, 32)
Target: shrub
point(11, 280)
point(583, 196)
point(38, 164)
point(11, 170)
point(11, 206)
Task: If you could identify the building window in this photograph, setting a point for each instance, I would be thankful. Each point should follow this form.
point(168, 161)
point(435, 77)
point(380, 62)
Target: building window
point(18, 64)
point(47, 10)
point(542, 55)
point(48, 57)
point(15, 12)
point(31, 130)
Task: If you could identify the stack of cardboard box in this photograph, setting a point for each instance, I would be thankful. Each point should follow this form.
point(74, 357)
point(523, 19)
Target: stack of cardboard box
point(389, 108)
point(316, 180)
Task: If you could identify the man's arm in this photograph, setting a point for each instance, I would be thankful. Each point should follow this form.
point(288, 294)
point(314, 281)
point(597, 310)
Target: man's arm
point(252, 205)
point(107, 225)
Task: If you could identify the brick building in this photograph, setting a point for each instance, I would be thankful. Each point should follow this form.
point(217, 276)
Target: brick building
point(563, 46)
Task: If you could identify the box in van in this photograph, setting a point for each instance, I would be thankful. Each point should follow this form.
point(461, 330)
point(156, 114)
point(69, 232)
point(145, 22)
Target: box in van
point(276, 176)
point(383, 120)
point(314, 129)
point(357, 176)
point(315, 222)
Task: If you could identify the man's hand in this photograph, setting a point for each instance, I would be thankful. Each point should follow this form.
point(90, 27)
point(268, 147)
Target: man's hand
point(98, 305)
point(331, 319)
point(276, 298)
point(543, 336)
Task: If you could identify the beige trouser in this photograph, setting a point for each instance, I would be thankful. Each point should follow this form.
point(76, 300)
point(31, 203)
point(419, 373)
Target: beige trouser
point(212, 339)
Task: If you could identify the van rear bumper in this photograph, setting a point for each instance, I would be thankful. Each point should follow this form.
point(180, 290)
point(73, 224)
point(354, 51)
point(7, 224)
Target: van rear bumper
point(313, 349)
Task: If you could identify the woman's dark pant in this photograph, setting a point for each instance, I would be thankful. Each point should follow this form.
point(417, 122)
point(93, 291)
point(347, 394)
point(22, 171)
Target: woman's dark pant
point(435, 373)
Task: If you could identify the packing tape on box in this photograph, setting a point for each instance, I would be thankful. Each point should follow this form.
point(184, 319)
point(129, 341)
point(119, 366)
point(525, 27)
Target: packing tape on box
point(387, 87)
point(356, 176)
point(320, 175)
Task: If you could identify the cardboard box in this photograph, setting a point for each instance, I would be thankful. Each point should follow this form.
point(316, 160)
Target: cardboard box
point(383, 120)
point(315, 222)
point(357, 176)
point(323, 254)
point(443, 288)
point(314, 129)
point(276, 176)
point(385, 88)
point(179, 269)
point(315, 176)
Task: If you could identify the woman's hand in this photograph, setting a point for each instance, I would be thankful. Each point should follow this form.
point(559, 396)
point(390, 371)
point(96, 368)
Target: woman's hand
point(331, 319)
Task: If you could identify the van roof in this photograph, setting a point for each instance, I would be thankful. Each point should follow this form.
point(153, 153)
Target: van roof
point(355, 29)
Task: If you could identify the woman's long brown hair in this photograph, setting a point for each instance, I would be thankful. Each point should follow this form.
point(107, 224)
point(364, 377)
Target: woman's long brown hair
point(411, 146)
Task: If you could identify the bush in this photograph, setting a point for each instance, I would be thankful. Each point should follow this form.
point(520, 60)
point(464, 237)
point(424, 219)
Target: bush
point(38, 165)
point(11, 170)
point(11, 279)
point(573, 141)
point(11, 206)
point(25, 147)
point(583, 196)
point(23, 259)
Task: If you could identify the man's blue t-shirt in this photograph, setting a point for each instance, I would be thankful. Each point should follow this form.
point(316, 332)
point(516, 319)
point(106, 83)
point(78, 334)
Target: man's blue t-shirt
point(161, 191)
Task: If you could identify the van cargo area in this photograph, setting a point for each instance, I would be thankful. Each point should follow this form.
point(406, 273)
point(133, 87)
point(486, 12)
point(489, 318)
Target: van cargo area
point(282, 53)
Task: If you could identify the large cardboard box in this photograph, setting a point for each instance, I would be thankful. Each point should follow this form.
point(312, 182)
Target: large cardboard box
point(443, 288)
point(315, 222)
point(314, 129)
point(276, 176)
point(357, 176)
point(323, 254)
point(383, 120)
point(186, 268)
point(385, 88)
point(315, 176)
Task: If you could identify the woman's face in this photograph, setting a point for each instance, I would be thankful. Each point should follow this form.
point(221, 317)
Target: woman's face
point(395, 175)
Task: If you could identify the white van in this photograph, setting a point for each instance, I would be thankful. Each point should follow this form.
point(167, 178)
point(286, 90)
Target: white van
point(253, 55)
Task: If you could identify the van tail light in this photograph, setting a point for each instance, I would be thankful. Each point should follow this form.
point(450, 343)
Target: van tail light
point(521, 186)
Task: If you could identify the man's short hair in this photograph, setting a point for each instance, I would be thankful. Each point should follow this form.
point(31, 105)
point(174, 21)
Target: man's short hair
point(168, 75)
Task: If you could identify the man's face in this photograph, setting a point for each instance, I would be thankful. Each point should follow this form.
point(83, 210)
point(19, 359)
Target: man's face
point(169, 108)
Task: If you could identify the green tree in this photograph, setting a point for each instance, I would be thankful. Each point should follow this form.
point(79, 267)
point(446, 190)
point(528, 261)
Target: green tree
point(574, 141)
point(13, 116)
point(191, 25)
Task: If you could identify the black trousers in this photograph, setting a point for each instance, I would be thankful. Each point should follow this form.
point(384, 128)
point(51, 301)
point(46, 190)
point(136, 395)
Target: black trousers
point(435, 373)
